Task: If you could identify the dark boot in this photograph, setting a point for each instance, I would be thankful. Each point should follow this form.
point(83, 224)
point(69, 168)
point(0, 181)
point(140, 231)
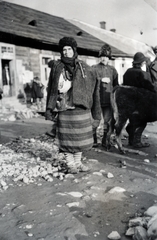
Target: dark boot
point(53, 131)
point(51, 134)
point(138, 144)
point(104, 139)
point(137, 138)
point(95, 140)
point(141, 145)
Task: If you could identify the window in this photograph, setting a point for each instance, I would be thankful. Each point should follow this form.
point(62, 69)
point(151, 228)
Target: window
point(6, 49)
point(33, 23)
point(10, 49)
point(3, 49)
point(45, 60)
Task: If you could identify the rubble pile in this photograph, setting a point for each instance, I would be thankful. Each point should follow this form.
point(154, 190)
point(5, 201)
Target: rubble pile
point(38, 146)
point(12, 114)
point(26, 113)
point(144, 227)
point(27, 160)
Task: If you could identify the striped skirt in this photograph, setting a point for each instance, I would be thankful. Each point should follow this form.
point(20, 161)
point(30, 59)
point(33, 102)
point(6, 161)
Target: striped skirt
point(75, 130)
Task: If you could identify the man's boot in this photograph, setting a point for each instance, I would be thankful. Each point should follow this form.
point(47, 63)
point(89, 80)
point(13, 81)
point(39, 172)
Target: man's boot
point(104, 139)
point(137, 139)
point(95, 144)
point(53, 131)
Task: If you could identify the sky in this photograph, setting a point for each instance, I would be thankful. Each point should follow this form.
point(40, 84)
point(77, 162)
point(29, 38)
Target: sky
point(136, 19)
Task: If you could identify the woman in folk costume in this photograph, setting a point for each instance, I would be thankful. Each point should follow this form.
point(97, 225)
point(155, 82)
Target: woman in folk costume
point(73, 94)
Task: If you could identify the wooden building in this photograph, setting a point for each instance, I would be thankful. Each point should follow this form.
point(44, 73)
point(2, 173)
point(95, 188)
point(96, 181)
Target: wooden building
point(128, 45)
point(29, 39)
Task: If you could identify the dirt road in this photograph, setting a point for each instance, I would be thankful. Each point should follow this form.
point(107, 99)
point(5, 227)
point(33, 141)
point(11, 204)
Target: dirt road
point(81, 206)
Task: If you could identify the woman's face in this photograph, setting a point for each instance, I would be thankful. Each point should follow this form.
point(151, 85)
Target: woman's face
point(68, 52)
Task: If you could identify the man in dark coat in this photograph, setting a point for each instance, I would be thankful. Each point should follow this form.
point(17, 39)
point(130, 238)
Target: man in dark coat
point(137, 77)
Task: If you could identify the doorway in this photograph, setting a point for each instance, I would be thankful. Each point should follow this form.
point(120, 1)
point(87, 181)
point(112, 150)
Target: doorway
point(7, 82)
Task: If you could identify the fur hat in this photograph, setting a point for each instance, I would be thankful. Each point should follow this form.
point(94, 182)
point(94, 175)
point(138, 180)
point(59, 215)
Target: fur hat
point(105, 51)
point(67, 41)
point(139, 58)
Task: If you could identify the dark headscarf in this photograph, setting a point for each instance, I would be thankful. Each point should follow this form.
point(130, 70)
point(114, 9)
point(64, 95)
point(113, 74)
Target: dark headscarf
point(70, 63)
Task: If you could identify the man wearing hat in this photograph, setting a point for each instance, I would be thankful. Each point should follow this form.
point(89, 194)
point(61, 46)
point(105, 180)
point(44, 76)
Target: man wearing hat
point(108, 78)
point(137, 77)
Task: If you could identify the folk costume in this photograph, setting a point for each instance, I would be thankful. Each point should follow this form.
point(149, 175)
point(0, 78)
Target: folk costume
point(73, 94)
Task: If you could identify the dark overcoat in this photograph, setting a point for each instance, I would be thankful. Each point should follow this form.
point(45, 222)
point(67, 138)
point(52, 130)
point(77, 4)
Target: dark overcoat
point(136, 77)
point(37, 90)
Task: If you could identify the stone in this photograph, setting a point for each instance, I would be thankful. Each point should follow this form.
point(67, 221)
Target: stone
point(48, 178)
point(154, 218)
point(146, 160)
point(69, 176)
point(25, 179)
point(152, 230)
point(96, 233)
point(73, 204)
point(30, 234)
point(75, 194)
point(140, 233)
point(55, 174)
point(5, 187)
point(142, 153)
point(3, 183)
point(130, 231)
point(151, 211)
point(97, 173)
point(114, 235)
point(61, 177)
point(12, 118)
point(93, 160)
point(116, 189)
point(110, 175)
point(136, 222)
point(29, 226)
